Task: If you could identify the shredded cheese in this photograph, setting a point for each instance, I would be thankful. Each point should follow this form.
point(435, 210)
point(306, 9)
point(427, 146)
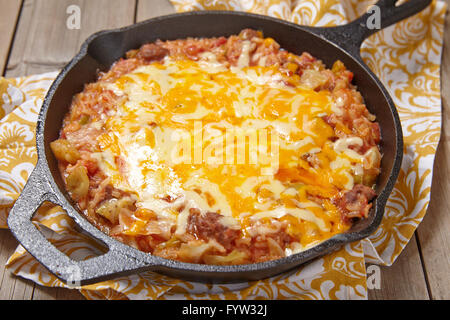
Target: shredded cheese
point(177, 109)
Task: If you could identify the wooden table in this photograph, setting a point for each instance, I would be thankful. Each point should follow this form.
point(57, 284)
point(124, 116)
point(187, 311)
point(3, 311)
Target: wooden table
point(34, 39)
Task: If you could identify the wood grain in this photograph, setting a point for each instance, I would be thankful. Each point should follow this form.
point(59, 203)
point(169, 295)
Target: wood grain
point(404, 280)
point(44, 43)
point(10, 10)
point(45, 293)
point(153, 8)
point(11, 287)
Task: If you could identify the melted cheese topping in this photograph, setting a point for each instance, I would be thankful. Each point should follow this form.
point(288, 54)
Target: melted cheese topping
point(178, 111)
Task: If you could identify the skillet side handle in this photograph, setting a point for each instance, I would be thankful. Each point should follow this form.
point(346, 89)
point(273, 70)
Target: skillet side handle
point(382, 15)
point(73, 273)
point(35, 193)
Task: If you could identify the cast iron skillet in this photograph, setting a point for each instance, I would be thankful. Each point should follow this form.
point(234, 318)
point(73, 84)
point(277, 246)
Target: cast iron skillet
point(101, 50)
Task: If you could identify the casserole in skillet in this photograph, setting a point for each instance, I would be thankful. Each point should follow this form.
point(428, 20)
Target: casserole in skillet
point(221, 150)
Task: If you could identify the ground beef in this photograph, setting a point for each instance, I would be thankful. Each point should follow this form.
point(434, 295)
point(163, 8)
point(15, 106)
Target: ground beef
point(355, 203)
point(208, 226)
point(152, 52)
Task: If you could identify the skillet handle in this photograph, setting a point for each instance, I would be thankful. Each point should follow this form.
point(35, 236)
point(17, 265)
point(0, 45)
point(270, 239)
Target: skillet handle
point(73, 273)
point(382, 15)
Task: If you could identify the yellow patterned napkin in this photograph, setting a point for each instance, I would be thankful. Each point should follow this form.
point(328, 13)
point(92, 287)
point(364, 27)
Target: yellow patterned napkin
point(406, 57)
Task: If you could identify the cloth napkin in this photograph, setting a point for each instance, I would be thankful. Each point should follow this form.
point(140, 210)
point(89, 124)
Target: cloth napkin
point(407, 59)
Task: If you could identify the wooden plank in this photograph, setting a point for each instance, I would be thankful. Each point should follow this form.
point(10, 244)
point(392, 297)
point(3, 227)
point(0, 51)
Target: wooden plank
point(45, 43)
point(405, 279)
point(434, 232)
point(10, 286)
point(44, 293)
point(14, 288)
point(8, 18)
point(148, 9)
